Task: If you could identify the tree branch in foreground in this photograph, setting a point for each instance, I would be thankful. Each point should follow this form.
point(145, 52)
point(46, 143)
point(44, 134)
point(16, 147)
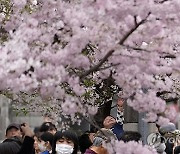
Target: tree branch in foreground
point(104, 59)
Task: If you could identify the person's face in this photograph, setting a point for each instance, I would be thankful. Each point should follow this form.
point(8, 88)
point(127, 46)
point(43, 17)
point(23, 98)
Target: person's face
point(36, 142)
point(109, 122)
point(91, 137)
point(52, 131)
point(120, 103)
point(44, 145)
point(13, 132)
point(64, 140)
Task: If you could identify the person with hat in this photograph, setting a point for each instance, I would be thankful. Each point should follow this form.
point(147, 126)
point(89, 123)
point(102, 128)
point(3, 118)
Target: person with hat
point(13, 130)
point(15, 143)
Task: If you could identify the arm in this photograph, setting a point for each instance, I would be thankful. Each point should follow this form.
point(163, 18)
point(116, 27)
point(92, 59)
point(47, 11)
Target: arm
point(28, 143)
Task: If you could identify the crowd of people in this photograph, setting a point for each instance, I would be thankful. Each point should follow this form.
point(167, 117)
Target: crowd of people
point(47, 139)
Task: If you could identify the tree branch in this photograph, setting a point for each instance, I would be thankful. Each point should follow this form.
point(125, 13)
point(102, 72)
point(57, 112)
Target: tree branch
point(163, 1)
point(133, 29)
point(96, 67)
point(135, 20)
point(129, 56)
point(136, 48)
point(112, 65)
point(167, 55)
point(104, 59)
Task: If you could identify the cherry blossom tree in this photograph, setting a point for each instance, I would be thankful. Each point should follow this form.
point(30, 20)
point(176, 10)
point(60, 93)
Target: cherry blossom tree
point(57, 51)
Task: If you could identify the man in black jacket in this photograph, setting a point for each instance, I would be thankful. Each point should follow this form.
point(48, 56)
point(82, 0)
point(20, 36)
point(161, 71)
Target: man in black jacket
point(18, 145)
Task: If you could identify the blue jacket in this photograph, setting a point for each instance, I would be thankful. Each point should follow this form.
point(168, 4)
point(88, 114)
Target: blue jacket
point(45, 152)
point(117, 129)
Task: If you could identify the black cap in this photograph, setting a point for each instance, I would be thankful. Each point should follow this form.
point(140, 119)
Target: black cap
point(13, 125)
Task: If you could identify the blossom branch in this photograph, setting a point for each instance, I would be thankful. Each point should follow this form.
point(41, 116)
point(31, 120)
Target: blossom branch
point(133, 29)
point(121, 42)
point(96, 67)
point(129, 56)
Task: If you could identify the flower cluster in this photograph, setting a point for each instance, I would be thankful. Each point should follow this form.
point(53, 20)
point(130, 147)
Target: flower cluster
point(53, 47)
point(132, 148)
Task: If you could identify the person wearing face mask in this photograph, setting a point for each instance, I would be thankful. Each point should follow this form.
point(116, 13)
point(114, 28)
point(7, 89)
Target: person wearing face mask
point(18, 145)
point(65, 142)
point(43, 144)
point(46, 143)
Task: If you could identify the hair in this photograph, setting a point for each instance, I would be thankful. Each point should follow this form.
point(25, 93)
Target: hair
point(10, 147)
point(36, 129)
point(47, 126)
point(109, 116)
point(98, 141)
point(37, 132)
point(84, 142)
point(47, 137)
point(131, 136)
point(70, 135)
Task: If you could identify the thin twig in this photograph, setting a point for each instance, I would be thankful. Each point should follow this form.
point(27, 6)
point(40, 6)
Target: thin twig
point(112, 65)
point(136, 48)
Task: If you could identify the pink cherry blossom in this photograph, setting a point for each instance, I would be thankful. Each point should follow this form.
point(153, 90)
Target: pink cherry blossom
point(54, 49)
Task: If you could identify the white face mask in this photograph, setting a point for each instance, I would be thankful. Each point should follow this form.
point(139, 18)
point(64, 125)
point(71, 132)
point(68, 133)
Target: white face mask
point(42, 148)
point(64, 149)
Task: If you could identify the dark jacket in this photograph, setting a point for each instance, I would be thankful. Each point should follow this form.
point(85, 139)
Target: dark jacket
point(9, 147)
point(176, 150)
point(27, 146)
point(16, 145)
point(117, 129)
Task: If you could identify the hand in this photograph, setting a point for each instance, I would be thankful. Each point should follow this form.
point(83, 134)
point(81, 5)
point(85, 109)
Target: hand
point(26, 130)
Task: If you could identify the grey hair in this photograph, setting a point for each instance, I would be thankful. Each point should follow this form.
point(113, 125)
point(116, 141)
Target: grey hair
point(97, 141)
